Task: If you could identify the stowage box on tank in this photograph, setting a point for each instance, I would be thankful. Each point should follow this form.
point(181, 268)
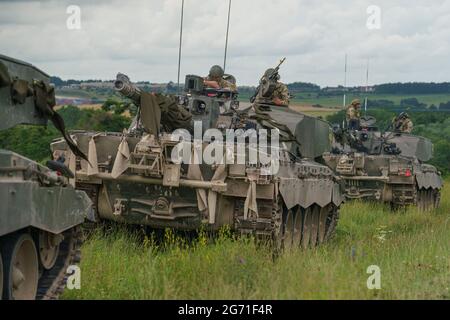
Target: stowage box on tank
point(40, 212)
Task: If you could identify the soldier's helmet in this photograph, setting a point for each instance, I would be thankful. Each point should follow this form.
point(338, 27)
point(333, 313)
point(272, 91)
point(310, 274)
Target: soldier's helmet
point(403, 115)
point(356, 102)
point(269, 72)
point(216, 72)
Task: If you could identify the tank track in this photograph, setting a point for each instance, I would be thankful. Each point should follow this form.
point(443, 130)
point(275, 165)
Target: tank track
point(92, 191)
point(424, 199)
point(271, 229)
point(332, 222)
point(428, 199)
point(403, 195)
point(53, 282)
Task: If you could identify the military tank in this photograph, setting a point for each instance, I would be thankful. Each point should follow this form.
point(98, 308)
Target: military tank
point(40, 211)
point(385, 166)
point(135, 180)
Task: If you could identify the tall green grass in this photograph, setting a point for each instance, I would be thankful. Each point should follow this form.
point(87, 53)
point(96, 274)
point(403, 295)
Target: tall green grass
point(411, 248)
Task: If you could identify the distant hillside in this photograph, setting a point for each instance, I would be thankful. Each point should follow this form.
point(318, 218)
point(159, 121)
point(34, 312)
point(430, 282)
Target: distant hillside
point(384, 88)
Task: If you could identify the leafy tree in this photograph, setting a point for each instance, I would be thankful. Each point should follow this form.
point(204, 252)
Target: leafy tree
point(34, 141)
point(413, 88)
point(412, 103)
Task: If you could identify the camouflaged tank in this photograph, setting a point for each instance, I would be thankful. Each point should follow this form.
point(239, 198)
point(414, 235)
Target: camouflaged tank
point(388, 167)
point(133, 178)
point(40, 212)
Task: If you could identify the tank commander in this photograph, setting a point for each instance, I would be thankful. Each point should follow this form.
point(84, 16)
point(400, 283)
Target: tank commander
point(215, 79)
point(353, 114)
point(280, 95)
point(402, 123)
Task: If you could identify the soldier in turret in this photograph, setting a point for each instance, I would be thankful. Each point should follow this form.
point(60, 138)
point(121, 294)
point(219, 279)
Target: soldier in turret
point(215, 79)
point(280, 95)
point(402, 123)
point(353, 114)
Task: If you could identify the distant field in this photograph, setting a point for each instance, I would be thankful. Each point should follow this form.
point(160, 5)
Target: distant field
point(337, 101)
point(314, 112)
point(83, 94)
point(309, 99)
point(411, 248)
point(73, 93)
point(85, 106)
point(300, 99)
point(302, 102)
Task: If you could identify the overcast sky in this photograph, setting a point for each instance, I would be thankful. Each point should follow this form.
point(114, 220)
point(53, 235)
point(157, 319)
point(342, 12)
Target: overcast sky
point(140, 38)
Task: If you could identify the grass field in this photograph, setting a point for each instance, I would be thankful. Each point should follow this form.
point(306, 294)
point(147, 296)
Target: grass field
point(411, 248)
point(314, 112)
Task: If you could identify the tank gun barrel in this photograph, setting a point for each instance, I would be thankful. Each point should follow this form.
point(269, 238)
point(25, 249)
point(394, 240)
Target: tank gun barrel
point(124, 86)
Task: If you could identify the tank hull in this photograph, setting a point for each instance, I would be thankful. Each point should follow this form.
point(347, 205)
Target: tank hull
point(144, 193)
point(28, 204)
point(397, 180)
point(40, 213)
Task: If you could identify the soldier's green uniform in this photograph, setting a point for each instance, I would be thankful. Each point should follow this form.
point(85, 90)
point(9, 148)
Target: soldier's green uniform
point(403, 123)
point(216, 74)
point(281, 91)
point(224, 84)
point(353, 114)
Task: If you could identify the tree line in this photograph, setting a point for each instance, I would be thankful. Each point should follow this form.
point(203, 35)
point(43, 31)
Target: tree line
point(34, 141)
point(432, 125)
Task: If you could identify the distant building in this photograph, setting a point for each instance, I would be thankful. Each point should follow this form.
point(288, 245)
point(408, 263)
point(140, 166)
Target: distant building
point(348, 89)
point(100, 84)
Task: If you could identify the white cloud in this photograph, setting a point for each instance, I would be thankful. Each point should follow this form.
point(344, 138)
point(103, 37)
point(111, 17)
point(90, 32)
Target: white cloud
point(141, 38)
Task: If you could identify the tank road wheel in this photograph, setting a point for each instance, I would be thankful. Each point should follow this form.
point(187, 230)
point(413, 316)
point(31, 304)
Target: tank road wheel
point(306, 228)
point(21, 268)
point(288, 229)
point(432, 199)
point(315, 225)
point(323, 222)
point(332, 221)
point(1, 276)
point(425, 200)
point(436, 198)
point(278, 227)
point(49, 248)
point(429, 199)
point(298, 222)
point(420, 200)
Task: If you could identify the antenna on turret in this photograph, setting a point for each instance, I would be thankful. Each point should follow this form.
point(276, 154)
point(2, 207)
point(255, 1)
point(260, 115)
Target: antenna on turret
point(367, 88)
point(226, 37)
point(345, 82)
point(179, 49)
